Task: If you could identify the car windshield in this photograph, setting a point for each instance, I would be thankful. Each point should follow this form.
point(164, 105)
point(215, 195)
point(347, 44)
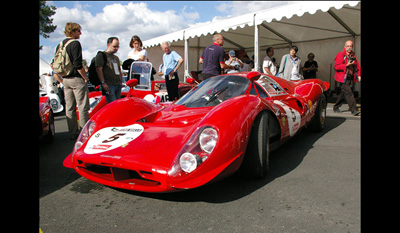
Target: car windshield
point(214, 91)
point(142, 72)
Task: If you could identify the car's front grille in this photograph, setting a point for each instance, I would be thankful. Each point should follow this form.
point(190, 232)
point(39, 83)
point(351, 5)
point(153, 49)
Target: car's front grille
point(120, 175)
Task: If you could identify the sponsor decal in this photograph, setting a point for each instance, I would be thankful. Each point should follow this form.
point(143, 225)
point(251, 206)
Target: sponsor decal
point(113, 137)
point(293, 118)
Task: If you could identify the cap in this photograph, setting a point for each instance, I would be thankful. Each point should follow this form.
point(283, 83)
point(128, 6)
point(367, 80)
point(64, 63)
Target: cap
point(232, 53)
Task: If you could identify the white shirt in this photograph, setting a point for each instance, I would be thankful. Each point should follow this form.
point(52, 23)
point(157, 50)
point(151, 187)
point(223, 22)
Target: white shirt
point(135, 57)
point(269, 64)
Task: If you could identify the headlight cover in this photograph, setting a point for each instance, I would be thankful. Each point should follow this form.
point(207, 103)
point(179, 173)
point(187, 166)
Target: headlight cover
point(208, 139)
point(87, 130)
point(195, 152)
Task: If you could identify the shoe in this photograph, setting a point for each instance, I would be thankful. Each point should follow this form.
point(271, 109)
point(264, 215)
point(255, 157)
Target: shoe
point(355, 113)
point(337, 110)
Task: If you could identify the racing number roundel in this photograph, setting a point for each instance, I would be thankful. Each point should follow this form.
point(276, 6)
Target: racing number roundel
point(293, 117)
point(112, 137)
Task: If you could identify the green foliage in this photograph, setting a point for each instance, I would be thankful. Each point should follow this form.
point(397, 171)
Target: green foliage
point(45, 22)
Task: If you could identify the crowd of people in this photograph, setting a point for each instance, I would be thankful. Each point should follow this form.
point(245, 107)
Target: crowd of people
point(347, 67)
point(109, 70)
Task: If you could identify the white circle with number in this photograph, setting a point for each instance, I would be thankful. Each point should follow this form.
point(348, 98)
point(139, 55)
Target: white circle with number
point(112, 137)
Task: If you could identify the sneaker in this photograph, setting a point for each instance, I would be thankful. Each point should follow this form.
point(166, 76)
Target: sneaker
point(337, 110)
point(355, 113)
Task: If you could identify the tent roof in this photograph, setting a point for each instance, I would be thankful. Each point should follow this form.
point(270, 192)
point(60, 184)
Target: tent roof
point(293, 23)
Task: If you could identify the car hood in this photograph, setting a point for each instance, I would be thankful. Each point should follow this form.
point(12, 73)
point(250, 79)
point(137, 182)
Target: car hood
point(152, 141)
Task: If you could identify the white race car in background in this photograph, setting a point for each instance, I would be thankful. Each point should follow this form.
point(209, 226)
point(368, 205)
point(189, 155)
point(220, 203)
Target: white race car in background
point(48, 86)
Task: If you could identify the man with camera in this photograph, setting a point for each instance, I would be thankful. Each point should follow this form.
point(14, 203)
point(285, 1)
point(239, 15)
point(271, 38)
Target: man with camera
point(234, 62)
point(348, 70)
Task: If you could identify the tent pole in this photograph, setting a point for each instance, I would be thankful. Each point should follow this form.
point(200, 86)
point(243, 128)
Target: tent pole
point(256, 45)
point(186, 59)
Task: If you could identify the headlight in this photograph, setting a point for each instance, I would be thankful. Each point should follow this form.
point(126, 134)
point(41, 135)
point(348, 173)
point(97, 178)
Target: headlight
point(208, 139)
point(54, 104)
point(195, 152)
point(189, 162)
point(85, 134)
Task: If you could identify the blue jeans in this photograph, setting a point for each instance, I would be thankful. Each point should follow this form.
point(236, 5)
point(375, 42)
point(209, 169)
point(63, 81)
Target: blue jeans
point(114, 93)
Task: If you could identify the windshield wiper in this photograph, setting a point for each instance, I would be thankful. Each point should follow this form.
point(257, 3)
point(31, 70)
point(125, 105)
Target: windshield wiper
point(215, 94)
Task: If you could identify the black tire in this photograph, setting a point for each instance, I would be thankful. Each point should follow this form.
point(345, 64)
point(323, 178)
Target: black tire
point(318, 122)
point(256, 160)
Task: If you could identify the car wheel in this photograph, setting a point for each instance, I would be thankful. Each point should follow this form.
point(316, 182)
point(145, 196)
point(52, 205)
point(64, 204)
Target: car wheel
point(256, 160)
point(318, 122)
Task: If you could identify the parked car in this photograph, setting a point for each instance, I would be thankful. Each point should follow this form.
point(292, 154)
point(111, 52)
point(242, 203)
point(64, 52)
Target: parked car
point(226, 123)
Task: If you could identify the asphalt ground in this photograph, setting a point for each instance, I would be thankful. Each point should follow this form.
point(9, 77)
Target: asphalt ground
point(314, 185)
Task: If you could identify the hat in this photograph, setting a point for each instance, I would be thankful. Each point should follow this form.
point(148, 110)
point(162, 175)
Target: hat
point(232, 53)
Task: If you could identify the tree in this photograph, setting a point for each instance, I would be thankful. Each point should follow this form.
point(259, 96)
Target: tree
point(45, 22)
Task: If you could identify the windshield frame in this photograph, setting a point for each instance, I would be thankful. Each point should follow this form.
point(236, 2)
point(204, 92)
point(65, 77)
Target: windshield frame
point(144, 81)
point(214, 91)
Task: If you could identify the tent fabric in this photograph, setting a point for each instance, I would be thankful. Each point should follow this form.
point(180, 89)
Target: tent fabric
point(321, 23)
point(292, 23)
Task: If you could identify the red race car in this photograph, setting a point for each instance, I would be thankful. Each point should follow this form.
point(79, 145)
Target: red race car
point(227, 122)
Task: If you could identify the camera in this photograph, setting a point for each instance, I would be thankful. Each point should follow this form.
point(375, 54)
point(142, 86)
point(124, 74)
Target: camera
point(352, 59)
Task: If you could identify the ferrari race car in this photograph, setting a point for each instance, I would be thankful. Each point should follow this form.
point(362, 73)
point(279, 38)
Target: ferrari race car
point(226, 123)
point(152, 91)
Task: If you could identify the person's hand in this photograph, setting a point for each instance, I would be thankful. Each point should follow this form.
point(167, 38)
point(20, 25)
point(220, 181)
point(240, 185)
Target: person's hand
point(106, 87)
point(350, 63)
point(359, 78)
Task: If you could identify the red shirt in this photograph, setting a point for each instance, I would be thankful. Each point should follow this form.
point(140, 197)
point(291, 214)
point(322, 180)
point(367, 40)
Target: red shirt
point(340, 67)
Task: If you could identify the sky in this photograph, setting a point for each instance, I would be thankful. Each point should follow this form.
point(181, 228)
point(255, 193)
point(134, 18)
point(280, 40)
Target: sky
point(147, 19)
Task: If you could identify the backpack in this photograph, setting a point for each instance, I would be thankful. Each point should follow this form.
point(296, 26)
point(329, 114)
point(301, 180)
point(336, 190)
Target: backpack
point(62, 64)
point(93, 78)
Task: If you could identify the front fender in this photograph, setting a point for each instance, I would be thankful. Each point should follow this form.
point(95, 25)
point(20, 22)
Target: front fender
point(124, 111)
point(233, 120)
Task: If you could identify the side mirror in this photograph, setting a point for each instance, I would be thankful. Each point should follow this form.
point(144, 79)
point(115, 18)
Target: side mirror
point(132, 83)
point(190, 80)
point(253, 75)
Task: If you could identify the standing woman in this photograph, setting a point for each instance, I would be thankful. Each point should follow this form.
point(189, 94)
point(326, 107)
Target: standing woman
point(138, 53)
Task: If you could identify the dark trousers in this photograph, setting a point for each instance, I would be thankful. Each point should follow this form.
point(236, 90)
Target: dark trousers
point(172, 87)
point(346, 93)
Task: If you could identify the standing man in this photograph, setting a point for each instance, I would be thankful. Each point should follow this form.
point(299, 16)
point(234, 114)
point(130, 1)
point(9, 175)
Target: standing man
point(290, 68)
point(213, 58)
point(172, 61)
point(348, 70)
point(76, 91)
point(111, 75)
point(269, 62)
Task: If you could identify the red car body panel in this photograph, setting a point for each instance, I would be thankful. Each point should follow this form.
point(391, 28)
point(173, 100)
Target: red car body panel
point(160, 133)
point(44, 114)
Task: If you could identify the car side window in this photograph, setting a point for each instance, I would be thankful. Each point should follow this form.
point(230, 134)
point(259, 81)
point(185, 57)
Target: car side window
point(260, 91)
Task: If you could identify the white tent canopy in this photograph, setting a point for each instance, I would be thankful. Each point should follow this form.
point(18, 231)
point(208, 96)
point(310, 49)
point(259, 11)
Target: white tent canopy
point(295, 23)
